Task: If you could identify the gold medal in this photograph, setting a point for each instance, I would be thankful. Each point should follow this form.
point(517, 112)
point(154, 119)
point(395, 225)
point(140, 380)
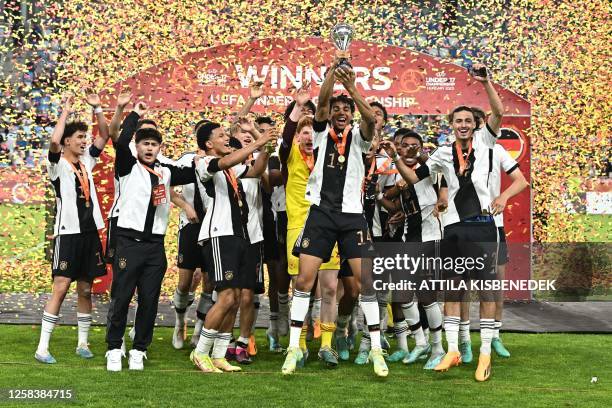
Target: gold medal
point(341, 159)
point(87, 204)
point(240, 203)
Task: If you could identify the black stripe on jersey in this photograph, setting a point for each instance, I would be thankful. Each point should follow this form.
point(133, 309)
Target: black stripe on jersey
point(150, 218)
point(240, 215)
point(490, 165)
point(511, 170)
point(466, 200)
point(198, 205)
point(413, 224)
point(86, 218)
point(209, 188)
point(334, 174)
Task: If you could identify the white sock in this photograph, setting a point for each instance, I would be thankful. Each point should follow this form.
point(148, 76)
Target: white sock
point(220, 345)
point(464, 331)
point(190, 298)
point(381, 299)
point(316, 309)
point(273, 327)
point(205, 303)
point(487, 326)
point(197, 328)
point(243, 340)
point(369, 305)
point(180, 301)
point(299, 309)
point(434, 317)
point(411, 314)
point(207, 339)
point(283, 305)
point(355, 314)
point(83, 323)
point(401, 334)
point(48, 323)
point(451, 327)
point(365, 340)
point(498, 325)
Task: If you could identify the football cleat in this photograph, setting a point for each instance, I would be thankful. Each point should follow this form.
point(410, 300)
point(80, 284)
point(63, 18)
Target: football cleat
point(398, 355)
point(451, 359)
point(378, 360)
point(417, 353)
point(499, 348)
point(433, 361)
point(483, 371)
point(329, 357)
point(203, 362)
point(465, 348)
point(45, 358)
point(223, 365)
point(83, 351)
point(294, 355)
point(343, 348)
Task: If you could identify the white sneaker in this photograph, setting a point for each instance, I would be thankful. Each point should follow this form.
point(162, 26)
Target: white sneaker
point(136, 359)
point(132, 333)
point(113, 359)
point(178, 337)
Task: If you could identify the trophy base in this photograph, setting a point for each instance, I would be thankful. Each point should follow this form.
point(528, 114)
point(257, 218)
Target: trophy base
point(344, 62)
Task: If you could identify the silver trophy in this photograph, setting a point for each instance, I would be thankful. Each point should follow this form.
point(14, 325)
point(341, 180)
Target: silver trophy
point(342, 35)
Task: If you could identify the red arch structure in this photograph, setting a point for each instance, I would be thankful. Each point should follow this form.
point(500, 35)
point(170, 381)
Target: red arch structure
point(405, 81)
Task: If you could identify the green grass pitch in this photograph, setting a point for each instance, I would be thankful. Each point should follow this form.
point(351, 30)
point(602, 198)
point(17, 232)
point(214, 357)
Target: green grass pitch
point(545, 370)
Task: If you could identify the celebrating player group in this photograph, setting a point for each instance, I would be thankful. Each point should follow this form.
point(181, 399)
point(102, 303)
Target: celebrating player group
point(308, 201)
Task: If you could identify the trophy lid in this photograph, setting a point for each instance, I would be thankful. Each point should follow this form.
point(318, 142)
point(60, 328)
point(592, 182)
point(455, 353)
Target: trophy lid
point(342, 35)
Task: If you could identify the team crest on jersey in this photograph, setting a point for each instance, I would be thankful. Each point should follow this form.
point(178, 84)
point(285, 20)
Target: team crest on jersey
point(305, 243)
point(63, 265)
point(180, 258)
point(229, 275)
point(122, 263)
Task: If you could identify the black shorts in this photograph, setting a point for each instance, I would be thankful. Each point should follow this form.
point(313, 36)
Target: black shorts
point(226, 261)
point(502, 253)
point(465, 241)
point(253, 279)
point(281, 227)
point(270, 242)
point(78, 256)
point(189, 252)
point(325, 227)
point(345, 270)
point(111, 240)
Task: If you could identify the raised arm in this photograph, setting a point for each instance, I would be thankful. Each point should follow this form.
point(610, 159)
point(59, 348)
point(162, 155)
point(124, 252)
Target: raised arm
point(56, 137)
point(256, 92)
point(406, 172)
point(325, 94)
point(261, 163)
point(248, 126)
point(368, 120)
point(122, 100)
point(93, 100)
point(497, 107)
point(239, 156)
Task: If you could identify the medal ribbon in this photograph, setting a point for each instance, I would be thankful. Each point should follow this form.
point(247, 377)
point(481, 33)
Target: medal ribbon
point(81, 176)
point(342, 145)
point(231, 177)
point(309, 160)
point(159, 176)
point(462, 161)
